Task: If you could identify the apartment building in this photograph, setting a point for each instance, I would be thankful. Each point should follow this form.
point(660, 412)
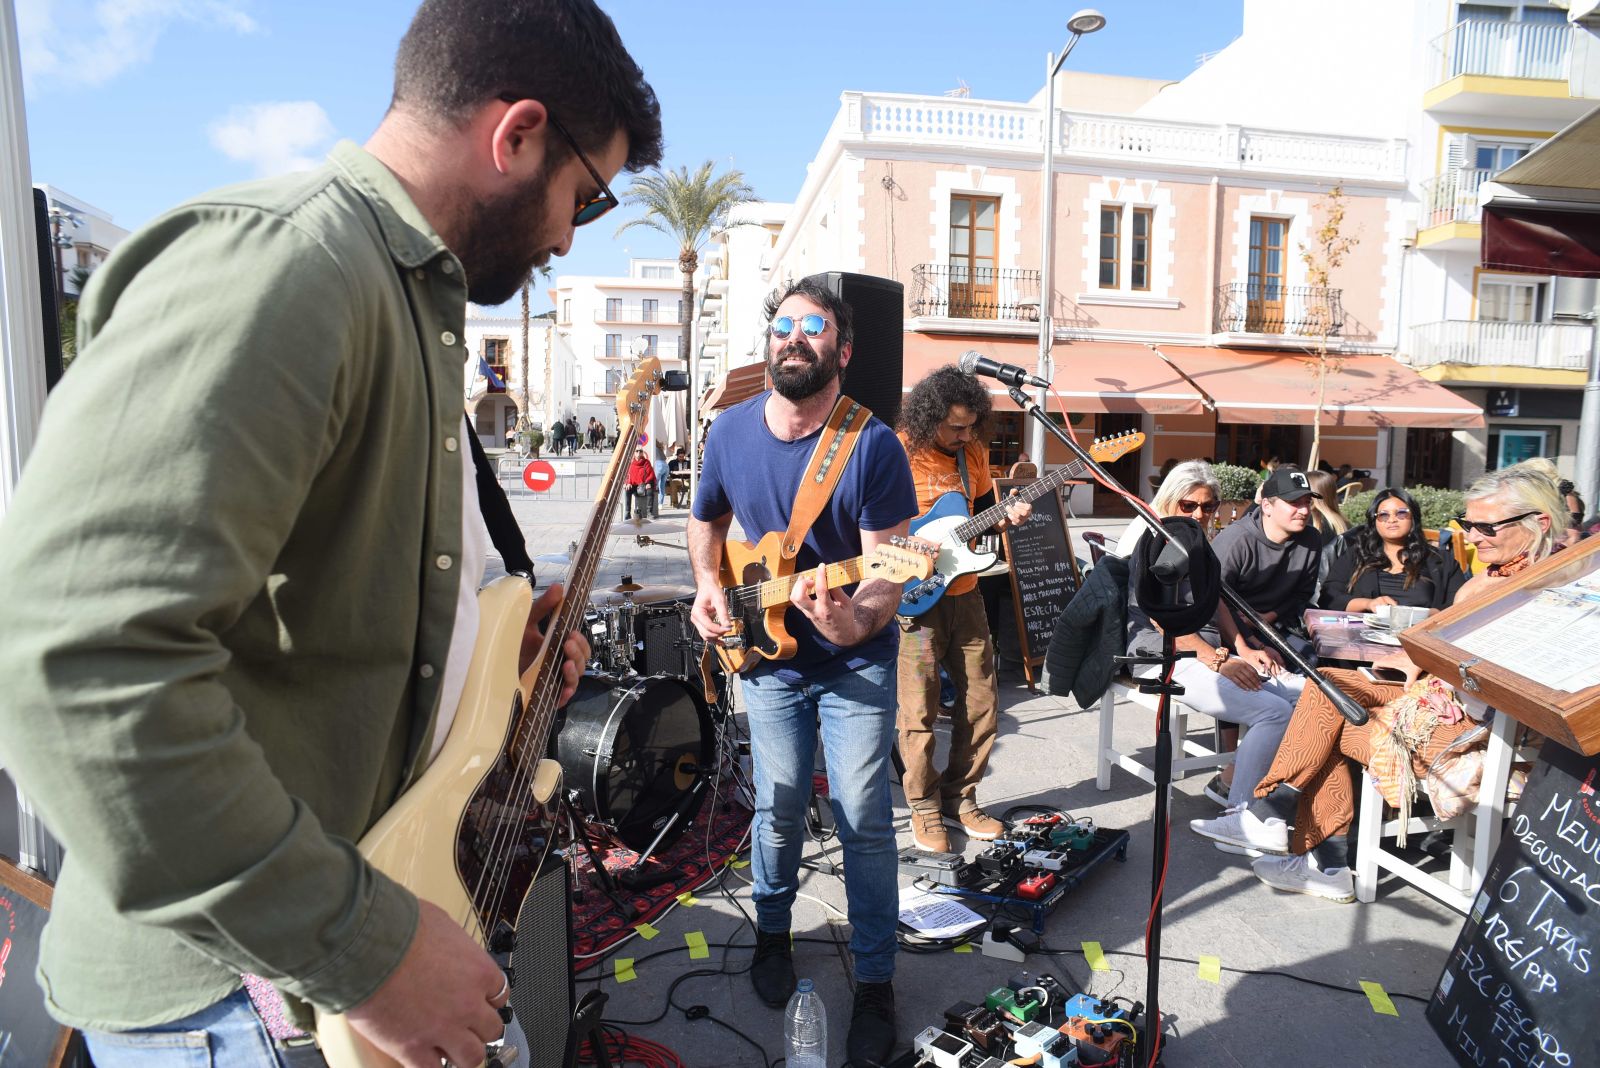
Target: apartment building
point(1495, 78)
point(729, 324)
point(1181, 304)
point(84, 236)
point(607, 324)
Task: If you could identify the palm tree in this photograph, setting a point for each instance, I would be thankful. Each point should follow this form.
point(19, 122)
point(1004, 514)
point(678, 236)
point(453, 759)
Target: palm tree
point(688, 208)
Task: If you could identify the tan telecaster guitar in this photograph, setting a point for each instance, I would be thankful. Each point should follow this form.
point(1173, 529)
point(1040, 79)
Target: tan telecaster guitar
point(473, 832)
point(757, 582)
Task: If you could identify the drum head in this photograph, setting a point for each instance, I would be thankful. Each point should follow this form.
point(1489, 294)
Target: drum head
point(634, 751)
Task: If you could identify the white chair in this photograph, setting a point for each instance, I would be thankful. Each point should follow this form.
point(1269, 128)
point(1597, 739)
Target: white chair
point(1189, 754)
point(1475, 837)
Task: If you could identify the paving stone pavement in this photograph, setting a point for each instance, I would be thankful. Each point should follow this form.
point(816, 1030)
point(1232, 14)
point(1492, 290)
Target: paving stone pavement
point(1045, 755)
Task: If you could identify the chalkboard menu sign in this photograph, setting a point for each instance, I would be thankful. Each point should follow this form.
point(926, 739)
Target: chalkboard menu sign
point(1044, 573)
point(1518, 989)
point(28, 1036)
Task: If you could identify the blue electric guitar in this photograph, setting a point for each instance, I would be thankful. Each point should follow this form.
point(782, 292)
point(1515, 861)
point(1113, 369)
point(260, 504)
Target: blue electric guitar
point(948, 525)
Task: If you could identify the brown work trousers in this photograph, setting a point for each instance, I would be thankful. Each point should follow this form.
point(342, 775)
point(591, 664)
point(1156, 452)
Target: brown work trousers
point(1312, 755)
point(953, 633)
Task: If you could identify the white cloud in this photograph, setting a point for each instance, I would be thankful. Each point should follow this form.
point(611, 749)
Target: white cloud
point(90, 42)
point(291, 135)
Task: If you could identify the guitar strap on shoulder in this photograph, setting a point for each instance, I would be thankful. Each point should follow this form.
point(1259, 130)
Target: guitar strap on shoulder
point(504, 531)
point(834, 446)
point(961, 466)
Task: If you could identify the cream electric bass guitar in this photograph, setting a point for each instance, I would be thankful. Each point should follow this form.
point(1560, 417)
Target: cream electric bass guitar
point(474, 830)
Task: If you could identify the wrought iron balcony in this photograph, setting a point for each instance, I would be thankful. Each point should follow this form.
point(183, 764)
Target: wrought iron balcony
point(1475, 343)
point(958, 292)
point(1268, 308)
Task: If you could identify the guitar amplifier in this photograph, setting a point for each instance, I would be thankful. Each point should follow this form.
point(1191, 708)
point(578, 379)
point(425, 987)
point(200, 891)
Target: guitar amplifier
point(543, 994)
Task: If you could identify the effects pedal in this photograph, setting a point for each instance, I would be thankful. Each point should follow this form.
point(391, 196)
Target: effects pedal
point(1076, 836)
point(1048, 859)
point(999, 859)
point(944, 869)
point(940, 1048)
point(1036, 886)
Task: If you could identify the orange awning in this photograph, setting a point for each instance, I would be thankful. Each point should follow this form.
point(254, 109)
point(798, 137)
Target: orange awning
point(1265, 386)
point(1090, 376)
point(739, 384)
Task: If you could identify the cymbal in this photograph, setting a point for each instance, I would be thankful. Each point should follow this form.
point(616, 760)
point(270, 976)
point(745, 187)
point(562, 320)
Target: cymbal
point(630, 592)
point(628, 528)
point(562, 559)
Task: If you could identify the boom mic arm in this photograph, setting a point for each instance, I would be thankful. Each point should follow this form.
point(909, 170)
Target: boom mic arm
point(1341, 700)
point(973, 363)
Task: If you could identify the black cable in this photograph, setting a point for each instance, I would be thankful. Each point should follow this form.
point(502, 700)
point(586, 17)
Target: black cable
point(1244, 971)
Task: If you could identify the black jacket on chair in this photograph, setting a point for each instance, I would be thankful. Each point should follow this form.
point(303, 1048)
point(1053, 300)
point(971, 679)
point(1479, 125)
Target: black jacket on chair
point(1089, 632)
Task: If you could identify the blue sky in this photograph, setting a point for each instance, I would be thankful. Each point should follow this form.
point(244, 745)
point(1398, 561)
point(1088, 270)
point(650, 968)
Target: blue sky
point(135, 105)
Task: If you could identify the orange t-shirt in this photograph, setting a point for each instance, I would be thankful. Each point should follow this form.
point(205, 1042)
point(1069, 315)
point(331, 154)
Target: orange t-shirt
point(935, 473)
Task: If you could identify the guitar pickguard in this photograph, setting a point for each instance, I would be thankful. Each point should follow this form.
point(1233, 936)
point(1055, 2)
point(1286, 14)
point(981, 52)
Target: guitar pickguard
point(752, 617)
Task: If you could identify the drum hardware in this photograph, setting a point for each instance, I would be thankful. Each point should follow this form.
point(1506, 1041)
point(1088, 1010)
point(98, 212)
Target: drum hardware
point(631, 877)
point(567, 803)
point(626, 528)
point(644, 541)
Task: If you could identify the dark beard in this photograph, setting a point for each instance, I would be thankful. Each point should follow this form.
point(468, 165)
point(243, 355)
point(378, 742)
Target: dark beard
point(798, 384)
point(498, 246)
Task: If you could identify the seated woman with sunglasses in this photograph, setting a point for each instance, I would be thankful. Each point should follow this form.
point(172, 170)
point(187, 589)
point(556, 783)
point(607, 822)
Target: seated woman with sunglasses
point(1418, 736)
point(1389, 562)
point(1250, 688)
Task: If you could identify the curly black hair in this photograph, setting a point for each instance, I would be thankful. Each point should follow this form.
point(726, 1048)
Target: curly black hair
point(1368, 543)
point(930, 400)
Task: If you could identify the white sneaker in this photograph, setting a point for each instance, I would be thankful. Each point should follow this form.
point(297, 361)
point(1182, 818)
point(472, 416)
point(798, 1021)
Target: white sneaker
point(1299, 876)
point(1240, 827)
point(1238, 851)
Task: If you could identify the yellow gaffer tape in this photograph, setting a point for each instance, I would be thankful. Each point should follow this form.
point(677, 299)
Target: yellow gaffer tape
point(697, 945)
point(1096, 957)
point(965, 947)
point(1210, 969)
point(646, 932)
point(687, 899)
point(625, 970)
point(1379, 998)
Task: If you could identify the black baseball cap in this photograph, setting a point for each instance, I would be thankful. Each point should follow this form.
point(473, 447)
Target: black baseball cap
point(1288, 483)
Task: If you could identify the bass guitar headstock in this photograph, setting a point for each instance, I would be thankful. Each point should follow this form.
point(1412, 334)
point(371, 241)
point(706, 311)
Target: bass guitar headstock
point(645, 382)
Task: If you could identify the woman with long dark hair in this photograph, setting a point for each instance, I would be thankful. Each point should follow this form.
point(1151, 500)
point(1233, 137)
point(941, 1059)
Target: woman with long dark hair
point(1390, 562)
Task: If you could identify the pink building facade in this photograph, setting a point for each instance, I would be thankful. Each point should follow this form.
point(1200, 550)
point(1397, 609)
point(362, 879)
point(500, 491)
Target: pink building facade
point(1182, 303)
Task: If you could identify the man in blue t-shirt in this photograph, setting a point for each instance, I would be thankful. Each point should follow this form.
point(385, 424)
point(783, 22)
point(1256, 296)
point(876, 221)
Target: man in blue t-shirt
point(844, 669)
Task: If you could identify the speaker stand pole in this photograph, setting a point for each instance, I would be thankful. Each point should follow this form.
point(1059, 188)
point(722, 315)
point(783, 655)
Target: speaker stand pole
point(586, 1023)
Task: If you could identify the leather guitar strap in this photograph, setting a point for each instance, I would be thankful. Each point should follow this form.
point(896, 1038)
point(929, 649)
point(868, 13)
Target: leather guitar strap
point(828, 460)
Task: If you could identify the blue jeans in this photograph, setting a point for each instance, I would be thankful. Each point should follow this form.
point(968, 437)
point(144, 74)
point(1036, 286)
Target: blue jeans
point(857, 710)
point(228, 1034)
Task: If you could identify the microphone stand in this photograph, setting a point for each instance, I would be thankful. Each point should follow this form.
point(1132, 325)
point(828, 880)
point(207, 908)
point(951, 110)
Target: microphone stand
point(1347, 707)
point(1150, 1039)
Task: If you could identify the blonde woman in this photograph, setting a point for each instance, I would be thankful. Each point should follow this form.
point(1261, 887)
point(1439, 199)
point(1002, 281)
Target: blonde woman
point(1324, 509)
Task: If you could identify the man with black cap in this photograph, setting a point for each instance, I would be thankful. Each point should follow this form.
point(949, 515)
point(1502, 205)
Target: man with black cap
point(1269, 558)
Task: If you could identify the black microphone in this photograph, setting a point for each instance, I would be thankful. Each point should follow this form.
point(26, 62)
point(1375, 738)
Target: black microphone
point(973, 364)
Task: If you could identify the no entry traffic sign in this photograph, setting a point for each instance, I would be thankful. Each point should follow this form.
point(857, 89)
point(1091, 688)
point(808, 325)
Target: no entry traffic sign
point(538, 476)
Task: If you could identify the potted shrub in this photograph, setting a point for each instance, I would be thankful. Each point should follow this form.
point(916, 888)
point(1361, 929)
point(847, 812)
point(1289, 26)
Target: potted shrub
point(535, 440)
point(1238, 486)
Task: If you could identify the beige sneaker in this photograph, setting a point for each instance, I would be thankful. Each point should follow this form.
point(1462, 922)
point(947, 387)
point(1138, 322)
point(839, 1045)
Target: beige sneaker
point(976, 822)
point(927, 830)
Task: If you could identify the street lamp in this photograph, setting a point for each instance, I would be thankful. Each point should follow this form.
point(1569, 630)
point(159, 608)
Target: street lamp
point(1086, 21)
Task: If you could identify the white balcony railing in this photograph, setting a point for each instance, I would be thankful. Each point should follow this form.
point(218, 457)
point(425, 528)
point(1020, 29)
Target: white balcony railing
point(1550, 346)
point(1453, 196)
point(663, 351)
point(1503, 49)
point(893, 118)
point(664, 312)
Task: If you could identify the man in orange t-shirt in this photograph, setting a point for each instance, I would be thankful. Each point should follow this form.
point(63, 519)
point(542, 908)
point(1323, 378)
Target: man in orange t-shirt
point(942, 424)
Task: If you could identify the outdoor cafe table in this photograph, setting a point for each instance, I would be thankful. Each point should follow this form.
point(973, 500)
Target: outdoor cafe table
point(1338, 641)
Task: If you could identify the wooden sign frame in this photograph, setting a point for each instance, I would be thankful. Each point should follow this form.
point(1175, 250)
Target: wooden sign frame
point(1572, 719)
point(35, 890)
point(1031, 661)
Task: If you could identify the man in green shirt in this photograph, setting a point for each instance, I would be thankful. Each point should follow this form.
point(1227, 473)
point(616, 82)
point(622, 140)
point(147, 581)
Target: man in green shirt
point(233, 638)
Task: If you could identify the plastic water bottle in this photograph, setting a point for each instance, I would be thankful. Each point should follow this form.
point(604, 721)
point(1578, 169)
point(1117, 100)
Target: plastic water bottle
point(805, 1028)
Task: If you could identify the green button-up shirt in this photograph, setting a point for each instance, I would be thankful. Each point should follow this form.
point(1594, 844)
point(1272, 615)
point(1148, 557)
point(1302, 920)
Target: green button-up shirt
point(227, 585)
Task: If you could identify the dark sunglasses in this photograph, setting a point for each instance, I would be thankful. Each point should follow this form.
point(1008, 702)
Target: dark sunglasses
point(1397, 514)
point(1205, 509)
point(588, 210)
point(1489, 530)
point(810, 325)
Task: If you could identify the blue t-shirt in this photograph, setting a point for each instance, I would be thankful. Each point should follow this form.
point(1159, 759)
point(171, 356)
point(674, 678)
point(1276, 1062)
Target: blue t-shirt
point(756, 476)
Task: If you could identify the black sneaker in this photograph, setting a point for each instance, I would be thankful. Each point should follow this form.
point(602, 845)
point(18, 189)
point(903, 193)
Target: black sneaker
point(772, 971)
point(1217, 790)
point(871, 1038)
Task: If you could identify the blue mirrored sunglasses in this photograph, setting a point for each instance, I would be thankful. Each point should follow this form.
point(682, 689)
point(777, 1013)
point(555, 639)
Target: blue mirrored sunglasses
point(810, 325)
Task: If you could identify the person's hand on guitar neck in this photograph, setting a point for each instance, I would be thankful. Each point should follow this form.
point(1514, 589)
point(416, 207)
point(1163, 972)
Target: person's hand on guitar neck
point(575, 649)
point(442, 1002)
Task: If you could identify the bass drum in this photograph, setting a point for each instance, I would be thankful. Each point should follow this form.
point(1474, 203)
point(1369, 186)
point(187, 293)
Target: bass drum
point(634, 750)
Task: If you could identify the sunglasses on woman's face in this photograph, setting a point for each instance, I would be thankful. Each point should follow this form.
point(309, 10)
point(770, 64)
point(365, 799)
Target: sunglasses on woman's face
point(810, 325)
point(1187, 506)
point(1489, 530)
point(1392, 517)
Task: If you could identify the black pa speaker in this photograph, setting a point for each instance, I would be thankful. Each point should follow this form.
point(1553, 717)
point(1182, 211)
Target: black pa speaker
point(542, 995)
point(49, 305)
point(877, 363)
